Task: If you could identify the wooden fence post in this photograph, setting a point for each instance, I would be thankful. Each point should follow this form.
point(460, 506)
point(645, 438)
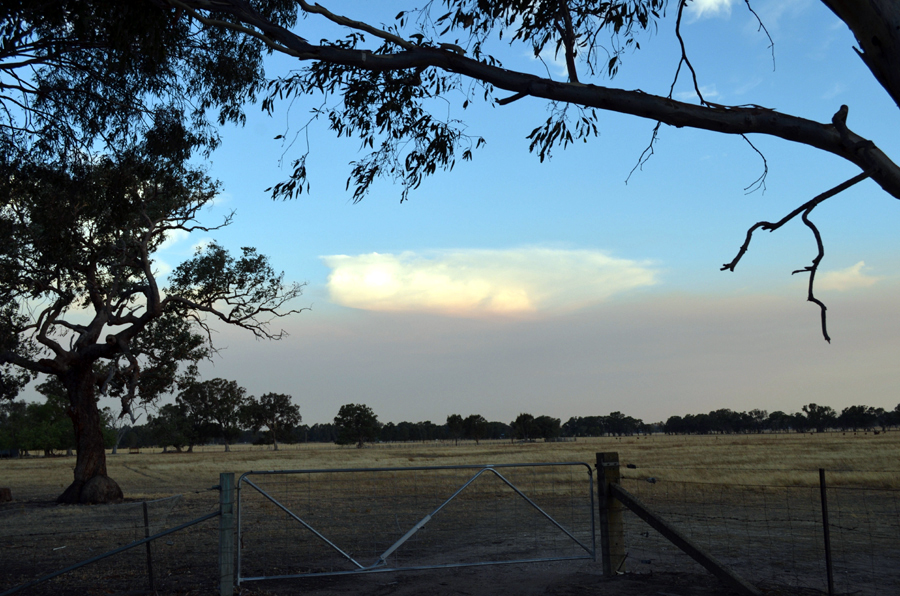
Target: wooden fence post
point(226, 534)
point(829, 567)
point(612, 528)
point(149, 552)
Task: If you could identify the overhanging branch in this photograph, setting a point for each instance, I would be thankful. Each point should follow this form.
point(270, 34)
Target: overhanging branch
point(736, 120)
point(803, 210)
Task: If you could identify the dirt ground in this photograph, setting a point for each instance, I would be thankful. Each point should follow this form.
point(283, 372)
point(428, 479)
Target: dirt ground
point(538, 579)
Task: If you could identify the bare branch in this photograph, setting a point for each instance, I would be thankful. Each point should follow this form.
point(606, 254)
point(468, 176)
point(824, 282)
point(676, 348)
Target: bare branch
point(684, 56)
point(762, 28)
point(807, 206)
point(759, 183)
point(812, 269)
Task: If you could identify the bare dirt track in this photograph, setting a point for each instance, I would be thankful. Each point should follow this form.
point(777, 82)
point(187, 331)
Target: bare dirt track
point(539, 579)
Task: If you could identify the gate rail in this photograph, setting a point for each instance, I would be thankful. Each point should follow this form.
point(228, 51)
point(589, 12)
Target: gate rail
point(380, 564)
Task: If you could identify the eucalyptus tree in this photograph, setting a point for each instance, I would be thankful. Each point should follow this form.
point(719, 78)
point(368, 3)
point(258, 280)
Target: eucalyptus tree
point(78, 261)
point(378, 77)
point(103, 105)
point(356, 423)
point(217, 402)
point(476, 427)
point(455, 427)
point(273, 411)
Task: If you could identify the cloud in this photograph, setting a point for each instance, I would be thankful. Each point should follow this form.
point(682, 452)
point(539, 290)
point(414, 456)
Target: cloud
point(699, 9)
point(482, 282)
point(173, 237)
point(201, 245)
point(835, 90)
point(708, 91)
point(847, 279)
point(555, 62)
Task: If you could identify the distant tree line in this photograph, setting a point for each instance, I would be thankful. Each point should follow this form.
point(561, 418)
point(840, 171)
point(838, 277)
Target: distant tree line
point(812, 417)
point(219, 411)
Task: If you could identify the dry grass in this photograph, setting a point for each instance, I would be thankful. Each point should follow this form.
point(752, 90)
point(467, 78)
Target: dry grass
point(861, 459)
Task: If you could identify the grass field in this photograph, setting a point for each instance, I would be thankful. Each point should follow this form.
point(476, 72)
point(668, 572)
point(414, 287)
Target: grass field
point(753, 500)
point(852, 459)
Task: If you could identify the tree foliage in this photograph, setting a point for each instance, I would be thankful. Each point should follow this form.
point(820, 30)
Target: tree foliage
point(356, 423)
point(216, 403)
point(273, 411)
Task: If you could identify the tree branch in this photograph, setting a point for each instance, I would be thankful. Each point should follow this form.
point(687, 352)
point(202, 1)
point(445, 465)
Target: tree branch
point(569, 38)
point(807, 206)
point(812, 269)
point(722, 119)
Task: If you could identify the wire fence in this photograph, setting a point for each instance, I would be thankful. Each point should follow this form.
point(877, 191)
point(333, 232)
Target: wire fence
point(769, 532)
point(39, 538)
point(774, 535)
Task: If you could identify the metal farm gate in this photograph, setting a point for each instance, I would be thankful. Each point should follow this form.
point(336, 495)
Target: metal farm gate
point(304, 523)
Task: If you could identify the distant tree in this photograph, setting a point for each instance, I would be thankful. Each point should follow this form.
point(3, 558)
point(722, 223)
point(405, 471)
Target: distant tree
point(547, 427)
point(475, 427)
point(356, 423)
point(820, 417)
point(171, 426)
point(455, 427)
point(883, 418)
point(273, 411)
point(759, 420)
point(857, 417)
point(523, 427)
point(498, 430)
point(13, 424)
point(779, 421)
point(674, 425)
point(585, 426)
point(322, 433)
point(219, 402)
point(49, 424)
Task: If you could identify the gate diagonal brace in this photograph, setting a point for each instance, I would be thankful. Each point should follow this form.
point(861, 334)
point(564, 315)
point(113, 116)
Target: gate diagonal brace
point(382, 560)
point(305, 525)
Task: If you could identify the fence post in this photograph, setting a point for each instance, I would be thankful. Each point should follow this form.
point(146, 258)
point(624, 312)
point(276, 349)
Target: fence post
point(149, 553)
point(612, 527)
point(226, 534)
point(829, 569)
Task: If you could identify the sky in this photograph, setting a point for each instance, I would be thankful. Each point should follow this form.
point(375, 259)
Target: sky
point(509, 285)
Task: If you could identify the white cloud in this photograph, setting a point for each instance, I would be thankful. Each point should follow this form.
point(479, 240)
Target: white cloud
point(173, 237)
point(847, 279)
point(708, 91)
point(699, 9)
point(554, 61)
point(835, 90)
point(482, 282)
point(200, 245)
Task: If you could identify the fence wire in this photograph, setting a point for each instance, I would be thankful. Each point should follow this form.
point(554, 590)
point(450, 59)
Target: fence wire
point(39, 538)
point(773, 535)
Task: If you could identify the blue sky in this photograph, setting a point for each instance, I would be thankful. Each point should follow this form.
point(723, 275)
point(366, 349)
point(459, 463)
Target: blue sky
point(510, 285)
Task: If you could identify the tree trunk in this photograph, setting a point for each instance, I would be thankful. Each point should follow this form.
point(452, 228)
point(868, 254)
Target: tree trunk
point(876, 25)
point(91, 484)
